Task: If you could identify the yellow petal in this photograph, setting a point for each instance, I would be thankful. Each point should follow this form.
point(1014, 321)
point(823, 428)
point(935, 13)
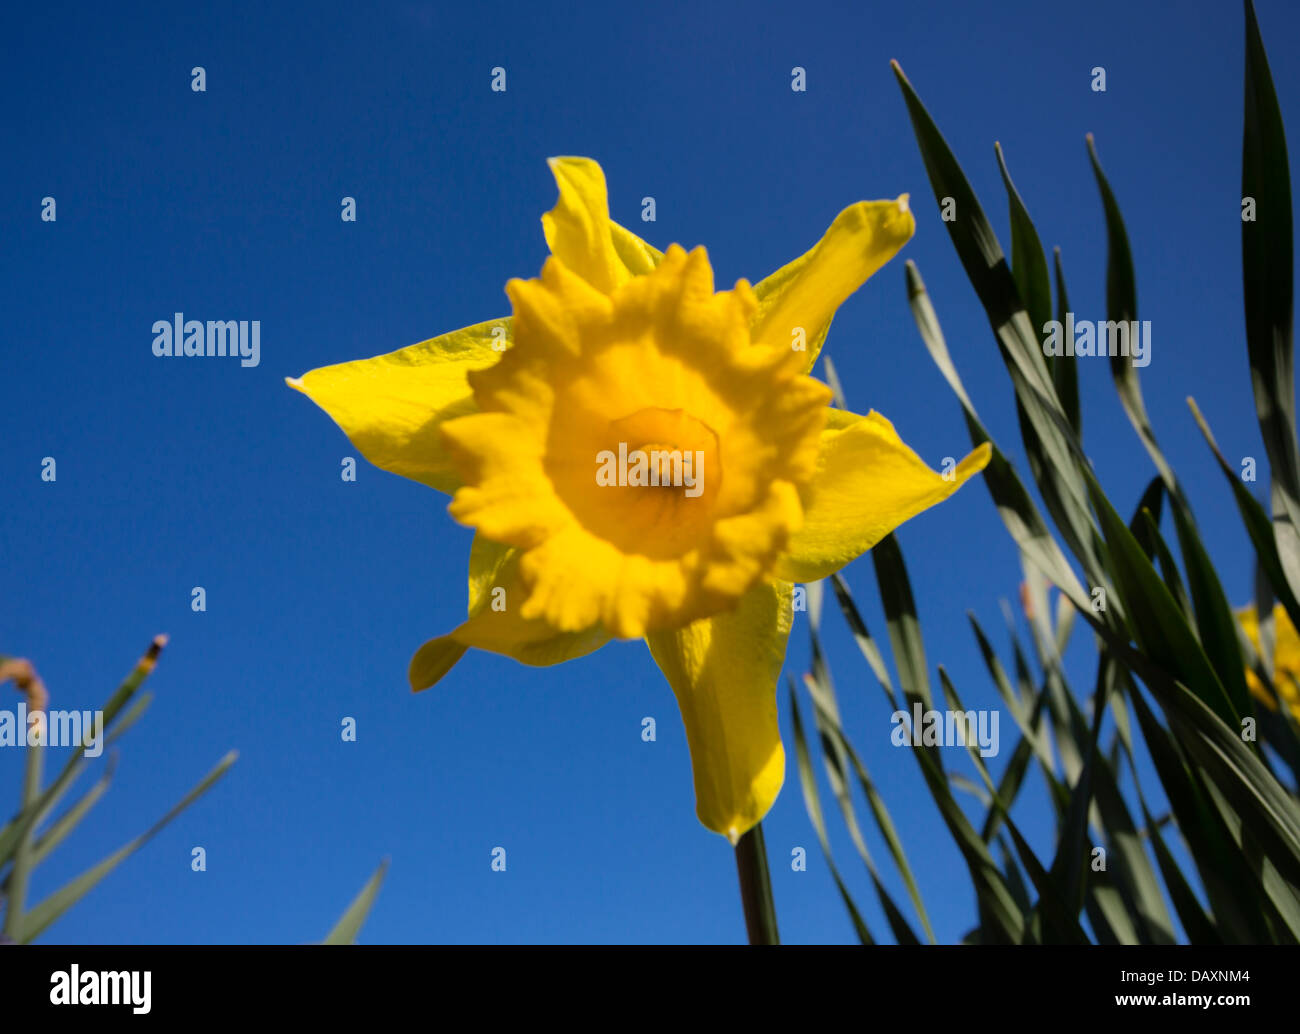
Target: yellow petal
point(433, 660)
point(507, 495)
point(392, 406)
point(438, 656)
point(804, 294)
point(724, 671)
point(868, 482)
point(1286, 658)
point(486, 561)
point(838, 418)
point(639, 257)
point(578, 228)
point(496, 597)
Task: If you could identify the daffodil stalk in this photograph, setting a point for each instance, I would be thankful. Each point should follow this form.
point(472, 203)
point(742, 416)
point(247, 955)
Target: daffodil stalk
point(756, 888)
point(616, 350)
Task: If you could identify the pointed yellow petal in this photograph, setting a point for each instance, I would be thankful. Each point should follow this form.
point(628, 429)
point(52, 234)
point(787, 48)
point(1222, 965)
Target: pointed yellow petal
point(578, 228)
point(724, 671)
point(498, 624)
point(528, 641)
point(433, 660)
point(868, 482)
point(639, 257)
point(438, 656)
point(392, 406)
point(496, 597)
point(804, 294)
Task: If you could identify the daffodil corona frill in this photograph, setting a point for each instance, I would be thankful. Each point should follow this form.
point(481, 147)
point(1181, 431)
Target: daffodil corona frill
point(1286, 659)
point(642, 456)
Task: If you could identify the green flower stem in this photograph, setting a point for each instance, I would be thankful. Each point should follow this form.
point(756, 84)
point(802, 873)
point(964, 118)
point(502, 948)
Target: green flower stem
point(756, 888)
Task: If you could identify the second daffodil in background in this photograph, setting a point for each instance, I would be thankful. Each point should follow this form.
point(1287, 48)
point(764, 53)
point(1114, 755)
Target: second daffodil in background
point(643, 457)
point(1286, 658)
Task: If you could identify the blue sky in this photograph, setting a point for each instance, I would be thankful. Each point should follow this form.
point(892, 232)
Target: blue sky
point(225, 205)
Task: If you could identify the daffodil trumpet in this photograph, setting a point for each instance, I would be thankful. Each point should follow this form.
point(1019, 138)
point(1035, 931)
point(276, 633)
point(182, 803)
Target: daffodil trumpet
point(531, 423)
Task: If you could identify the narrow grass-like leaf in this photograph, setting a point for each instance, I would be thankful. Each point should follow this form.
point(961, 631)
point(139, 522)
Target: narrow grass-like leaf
point(1158, 625)
point(1060, 925)
point(1267, 265)
point(884, 822)
point(967, 786)
point(838, 754)
point(1029, 270)
point(1198, 926)
point(833, 382)
point(1263, 803)
point(1132, 875)
point(1145, 527)
point(59, 829)
point(1014, 504)
point(1028, 264)
point(1030, 727)
point(30, 815)
point(1109, 912)
point(1067, 867)
point(1159, 551)
point(870, 651)
point(977, 246)
point(25, 849)
point(349, 925)
point(1015, 880)
point(35, 921)
point(1222, 870)
point(1121, 311)
point(1258, 525)
point(1264, 599)
point(129, 719)
point(1065, 370)
point(995, 899)
point(1240, 808)
point(1055, 456)
point(813, 805)
point(1214, 619)
point(900, 618)
point(1280, 889)
point(826, 714)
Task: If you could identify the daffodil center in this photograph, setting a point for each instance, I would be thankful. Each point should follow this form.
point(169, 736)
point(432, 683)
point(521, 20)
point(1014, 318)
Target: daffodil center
point(664, 448)
point(667, 466)
point(646, 482)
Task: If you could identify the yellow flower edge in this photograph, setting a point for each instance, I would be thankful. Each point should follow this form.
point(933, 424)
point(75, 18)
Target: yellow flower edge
point(1286, 658)
point(619, 350)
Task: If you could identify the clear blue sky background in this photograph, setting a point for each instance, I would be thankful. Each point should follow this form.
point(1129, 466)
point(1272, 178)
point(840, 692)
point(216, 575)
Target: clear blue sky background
point(171, 474)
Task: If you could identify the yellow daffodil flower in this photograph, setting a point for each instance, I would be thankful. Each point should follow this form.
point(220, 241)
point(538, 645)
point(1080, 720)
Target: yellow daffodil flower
point(642, 456)
point(1286, 658)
